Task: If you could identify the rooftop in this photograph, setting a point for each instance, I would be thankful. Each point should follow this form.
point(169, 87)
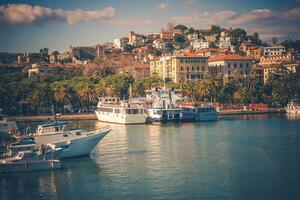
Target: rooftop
point(230, 57)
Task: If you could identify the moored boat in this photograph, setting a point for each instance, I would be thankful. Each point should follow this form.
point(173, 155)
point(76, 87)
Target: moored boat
point(293, 107)
point(73, 142)
point(162, 105)
point(26, 161)
point(112, 110)
point(198, 112)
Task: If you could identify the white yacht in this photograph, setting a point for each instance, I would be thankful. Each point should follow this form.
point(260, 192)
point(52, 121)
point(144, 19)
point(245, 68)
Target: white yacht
point(162, 105)
point(198, 112)
point(293, 107)
point(112, 110)
point(73, 142)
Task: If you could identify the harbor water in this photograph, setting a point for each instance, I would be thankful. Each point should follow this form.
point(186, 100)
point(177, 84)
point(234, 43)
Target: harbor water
point(238, 157)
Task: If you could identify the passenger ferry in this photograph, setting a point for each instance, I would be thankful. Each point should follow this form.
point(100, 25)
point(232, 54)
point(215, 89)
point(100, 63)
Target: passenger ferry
point(112, 110)
point(198, 112)
point(162, 105)
point(293, 107)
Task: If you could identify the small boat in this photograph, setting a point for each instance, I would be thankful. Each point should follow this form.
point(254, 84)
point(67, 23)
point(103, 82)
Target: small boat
point(198, 112)
point(26, 161)
point(112, 110)
point(73, 142)
point(293, 107)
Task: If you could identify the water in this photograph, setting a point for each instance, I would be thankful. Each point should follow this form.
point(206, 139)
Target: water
point(241, 157)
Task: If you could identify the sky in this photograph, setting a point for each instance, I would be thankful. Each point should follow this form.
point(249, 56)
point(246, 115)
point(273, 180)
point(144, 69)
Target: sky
point(28, 25)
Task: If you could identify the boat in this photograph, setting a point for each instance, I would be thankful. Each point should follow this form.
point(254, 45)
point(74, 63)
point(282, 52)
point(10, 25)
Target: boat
point(198, 112)
point(162, 105)
point(26, 161)
point(73, 142)
point(293, 107)
point(28, 144)
point(112, 110)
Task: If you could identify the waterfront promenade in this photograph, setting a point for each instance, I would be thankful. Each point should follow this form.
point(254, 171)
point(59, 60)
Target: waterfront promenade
point(92, 116)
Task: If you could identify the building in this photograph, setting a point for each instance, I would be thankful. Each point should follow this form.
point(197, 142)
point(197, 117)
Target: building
point(120, 43)
point(273, 51)
point(193, 36)
point(135, 39)
point(179, 68)
point(276, 59)
point(231, 65)
point(255, 52)
point(211, 38)
point(199, 44)
point(39, 70)
point(136, 71)
point(166, 35)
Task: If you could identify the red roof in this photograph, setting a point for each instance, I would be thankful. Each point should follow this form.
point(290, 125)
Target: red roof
point(230, 57)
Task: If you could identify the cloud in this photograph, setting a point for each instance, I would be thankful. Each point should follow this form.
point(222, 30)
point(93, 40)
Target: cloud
point(163, 6)
point(14, 14)
point(267, 22)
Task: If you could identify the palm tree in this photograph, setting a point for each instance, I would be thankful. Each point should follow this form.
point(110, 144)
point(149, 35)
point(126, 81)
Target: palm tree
point(62, 94)
point(87, 94)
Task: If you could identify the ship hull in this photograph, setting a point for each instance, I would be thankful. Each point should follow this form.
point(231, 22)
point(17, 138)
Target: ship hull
point(119, 118)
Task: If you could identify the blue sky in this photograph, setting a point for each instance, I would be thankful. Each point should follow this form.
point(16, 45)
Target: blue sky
point(31, 24)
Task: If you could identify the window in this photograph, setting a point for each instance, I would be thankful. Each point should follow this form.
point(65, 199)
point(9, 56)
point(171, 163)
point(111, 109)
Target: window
point(198, 68)
point(228, 72)
point(181, 68)
point(187, 69)
point(241, 65)
point(247, 65)
point(234, 65)
point(193, 68)
point(228, 65)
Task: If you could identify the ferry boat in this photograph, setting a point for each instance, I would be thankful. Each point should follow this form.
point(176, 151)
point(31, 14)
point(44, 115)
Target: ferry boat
point(198, 112)
point(112, 110)
point(26, 161)
point(162, 105)
point(293, 107)
point(73, 142)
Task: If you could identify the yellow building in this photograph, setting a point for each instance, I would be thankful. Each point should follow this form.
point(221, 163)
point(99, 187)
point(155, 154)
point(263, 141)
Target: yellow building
point(179, 68)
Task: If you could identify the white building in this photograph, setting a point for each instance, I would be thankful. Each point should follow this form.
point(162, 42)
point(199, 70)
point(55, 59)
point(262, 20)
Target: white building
point(199, 44)
point(273, 51)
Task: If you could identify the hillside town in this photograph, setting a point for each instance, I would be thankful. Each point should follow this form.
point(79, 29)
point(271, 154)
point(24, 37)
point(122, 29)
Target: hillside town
point(176, 55)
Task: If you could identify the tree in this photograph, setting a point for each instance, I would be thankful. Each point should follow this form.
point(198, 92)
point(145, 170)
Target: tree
point(146, 83)
point(181, 27)
point(87, 94)
point(44, 54)
point(179, 39)
point(256, 35)
point(170, 26)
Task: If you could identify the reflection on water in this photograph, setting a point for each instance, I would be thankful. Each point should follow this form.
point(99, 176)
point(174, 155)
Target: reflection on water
point(238, 157)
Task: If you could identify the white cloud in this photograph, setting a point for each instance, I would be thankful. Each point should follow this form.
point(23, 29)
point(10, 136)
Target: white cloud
point(268, 23)
point(163, 6)
point(13, 14)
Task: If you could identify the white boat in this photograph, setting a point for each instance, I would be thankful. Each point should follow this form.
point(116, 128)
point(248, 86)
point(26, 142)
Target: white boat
point(198, 112)
point(26, 161)
point(162, 105)
point(112, 110)
point(293, 107)
point(73, 142)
